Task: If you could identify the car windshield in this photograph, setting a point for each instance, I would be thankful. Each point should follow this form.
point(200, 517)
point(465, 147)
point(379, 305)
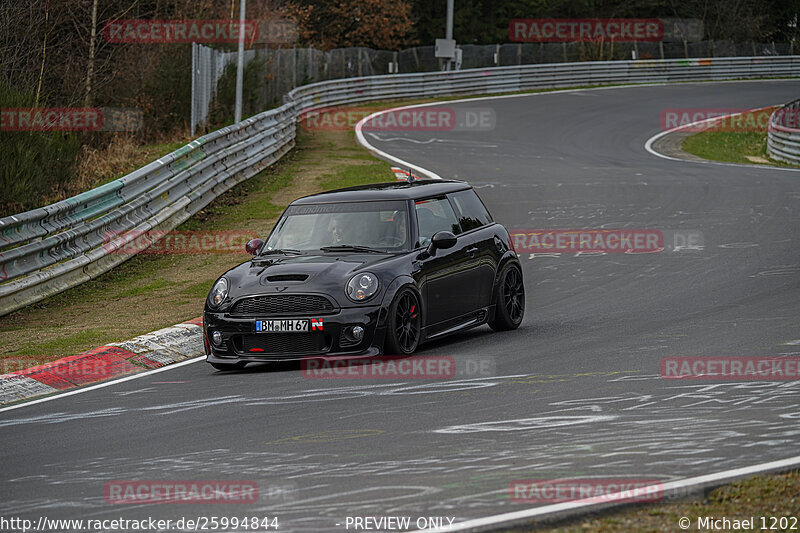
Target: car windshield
point(354, 226)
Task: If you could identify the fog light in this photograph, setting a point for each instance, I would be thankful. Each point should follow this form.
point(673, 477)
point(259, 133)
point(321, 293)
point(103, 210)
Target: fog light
point(216, 338)
point(358, 333)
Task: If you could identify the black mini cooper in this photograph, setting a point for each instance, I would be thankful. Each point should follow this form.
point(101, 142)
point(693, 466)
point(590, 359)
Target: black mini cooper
point(363, 271)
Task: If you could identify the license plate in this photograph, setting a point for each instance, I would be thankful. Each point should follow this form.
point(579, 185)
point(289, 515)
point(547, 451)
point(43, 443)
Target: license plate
point(282, 326)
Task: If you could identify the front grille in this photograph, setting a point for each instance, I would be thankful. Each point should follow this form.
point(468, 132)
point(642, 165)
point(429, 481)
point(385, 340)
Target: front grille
point(283, 305)
point(285, 343)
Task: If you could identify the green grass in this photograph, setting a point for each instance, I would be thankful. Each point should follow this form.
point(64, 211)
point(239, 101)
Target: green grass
point(259, 204)
point(732, 146)
point(163, 149)
point(199, 290)
point(352, 175)
point(251, 199)
point(150, 287)
point(125, 275)
point(65, 345)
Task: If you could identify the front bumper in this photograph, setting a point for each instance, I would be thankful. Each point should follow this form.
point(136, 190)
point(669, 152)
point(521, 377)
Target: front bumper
point(242, 343)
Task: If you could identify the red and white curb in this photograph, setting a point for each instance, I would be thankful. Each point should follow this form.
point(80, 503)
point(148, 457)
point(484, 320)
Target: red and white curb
point(145, 352)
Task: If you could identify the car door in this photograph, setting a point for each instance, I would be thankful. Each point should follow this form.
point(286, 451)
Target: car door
point(445, 278)
point(483, 247)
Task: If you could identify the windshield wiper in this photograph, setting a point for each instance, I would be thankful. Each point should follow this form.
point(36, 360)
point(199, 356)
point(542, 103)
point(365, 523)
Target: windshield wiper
point(260, 260)
point(351, 248)
point(284, 251)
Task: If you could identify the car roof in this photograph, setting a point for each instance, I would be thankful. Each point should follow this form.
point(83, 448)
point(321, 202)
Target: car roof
point(398, 190)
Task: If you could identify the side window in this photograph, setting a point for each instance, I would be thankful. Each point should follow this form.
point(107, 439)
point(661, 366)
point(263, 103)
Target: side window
point(471, 211)
point(435, 215)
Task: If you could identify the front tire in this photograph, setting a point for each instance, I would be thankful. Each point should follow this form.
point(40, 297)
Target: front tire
point(509, 306)
point(404, 324)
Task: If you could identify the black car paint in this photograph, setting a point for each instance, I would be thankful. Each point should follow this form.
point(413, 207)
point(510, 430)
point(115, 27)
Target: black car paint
point(456, 286)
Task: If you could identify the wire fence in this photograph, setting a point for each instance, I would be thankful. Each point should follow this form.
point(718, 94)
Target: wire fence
point(275, 70)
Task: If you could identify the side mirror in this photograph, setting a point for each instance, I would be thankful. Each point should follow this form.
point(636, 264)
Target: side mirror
point(253, 245)
point(442, 240)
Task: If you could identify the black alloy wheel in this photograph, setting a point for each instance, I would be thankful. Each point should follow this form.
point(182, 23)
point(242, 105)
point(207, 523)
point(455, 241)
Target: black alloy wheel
point(510, 300)
point(405, 324)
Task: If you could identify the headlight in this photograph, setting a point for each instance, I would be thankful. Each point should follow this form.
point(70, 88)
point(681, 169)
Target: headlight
point(218, 293)
point(362, 286)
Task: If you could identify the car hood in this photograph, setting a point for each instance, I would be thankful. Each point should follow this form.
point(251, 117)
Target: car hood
point(323, 273)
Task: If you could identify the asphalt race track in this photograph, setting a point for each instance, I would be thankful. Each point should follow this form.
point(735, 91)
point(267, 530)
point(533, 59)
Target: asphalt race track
point(576, 391)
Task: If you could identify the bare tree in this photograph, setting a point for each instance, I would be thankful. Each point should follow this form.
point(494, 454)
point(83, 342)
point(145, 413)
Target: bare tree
point(90, 67)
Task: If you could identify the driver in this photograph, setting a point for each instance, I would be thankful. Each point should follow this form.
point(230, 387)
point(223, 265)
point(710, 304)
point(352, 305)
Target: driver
point(336, 231)
point(399, 228)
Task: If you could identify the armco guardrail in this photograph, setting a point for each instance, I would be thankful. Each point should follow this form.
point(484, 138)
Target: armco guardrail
point(783, 138)
point(50, 249)
point(47, 250)
point(517, 78)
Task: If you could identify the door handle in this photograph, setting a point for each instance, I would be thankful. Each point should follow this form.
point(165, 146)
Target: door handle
point(471, 251)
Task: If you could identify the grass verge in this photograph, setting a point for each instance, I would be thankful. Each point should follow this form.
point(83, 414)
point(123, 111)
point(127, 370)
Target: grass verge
point(735, 140)
point(151, 291)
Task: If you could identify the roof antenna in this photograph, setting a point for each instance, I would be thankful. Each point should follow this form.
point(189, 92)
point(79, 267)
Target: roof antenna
point(404, 175)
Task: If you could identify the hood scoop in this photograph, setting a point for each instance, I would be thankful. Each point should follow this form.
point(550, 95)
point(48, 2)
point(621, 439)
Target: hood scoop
point(294, 271)
point(280, 278)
